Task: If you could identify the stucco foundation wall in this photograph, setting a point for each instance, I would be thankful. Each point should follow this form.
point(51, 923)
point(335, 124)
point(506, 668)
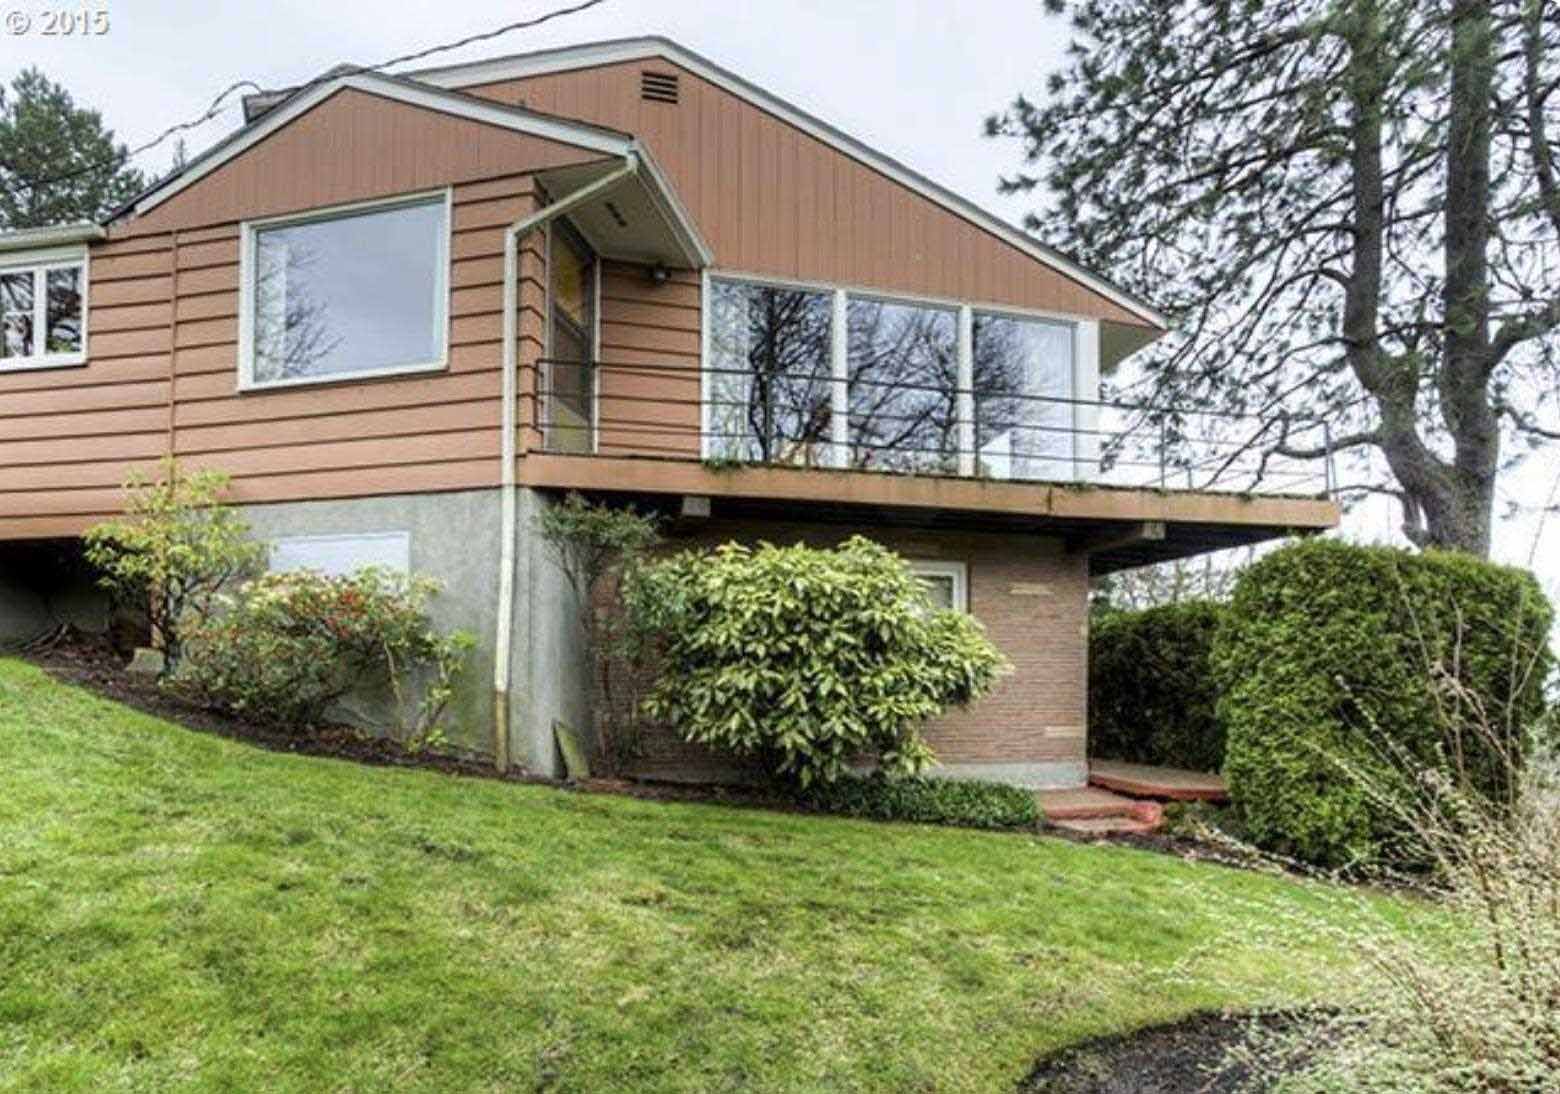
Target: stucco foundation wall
point(455, 537)
point(1031, 596)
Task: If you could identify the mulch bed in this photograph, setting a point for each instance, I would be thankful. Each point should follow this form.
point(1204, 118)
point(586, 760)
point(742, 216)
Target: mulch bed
point(1185, 1057)
point(92, 662)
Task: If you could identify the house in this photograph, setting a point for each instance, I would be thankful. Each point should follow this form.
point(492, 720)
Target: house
point(407, 312)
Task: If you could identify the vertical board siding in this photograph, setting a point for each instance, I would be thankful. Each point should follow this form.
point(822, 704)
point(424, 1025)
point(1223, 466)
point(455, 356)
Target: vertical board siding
point(649, 387)
point(772, 199)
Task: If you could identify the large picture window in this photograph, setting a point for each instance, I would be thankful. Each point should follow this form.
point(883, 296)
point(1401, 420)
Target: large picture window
point(769, 362)
point(354, 292)
point(851, 379)
point(42, 313)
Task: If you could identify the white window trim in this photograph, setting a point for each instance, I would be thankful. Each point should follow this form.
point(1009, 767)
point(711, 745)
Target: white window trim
point(1084, 333)
point(958, 571)
point(39, 262)
point(246, 290)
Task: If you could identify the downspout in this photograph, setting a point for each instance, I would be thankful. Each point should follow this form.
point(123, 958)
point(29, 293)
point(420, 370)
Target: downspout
point(504, 639)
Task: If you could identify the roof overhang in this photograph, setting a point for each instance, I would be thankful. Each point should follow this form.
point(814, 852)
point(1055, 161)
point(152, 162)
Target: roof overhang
point(57, 235)
point(477, 73)
point(591, 138)
point(639, 220)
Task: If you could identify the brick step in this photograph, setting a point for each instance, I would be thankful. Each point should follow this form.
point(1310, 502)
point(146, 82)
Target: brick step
point(1089, 809)
point(1157, 783)
point(1109, 826)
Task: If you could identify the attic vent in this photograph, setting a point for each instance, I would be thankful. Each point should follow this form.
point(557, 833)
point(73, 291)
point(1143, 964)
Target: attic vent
point(658, 87)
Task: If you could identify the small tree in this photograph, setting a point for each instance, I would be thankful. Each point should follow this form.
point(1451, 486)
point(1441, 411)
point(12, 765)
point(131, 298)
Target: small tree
point(176, 547)
point(593, 546)
point(810, 657)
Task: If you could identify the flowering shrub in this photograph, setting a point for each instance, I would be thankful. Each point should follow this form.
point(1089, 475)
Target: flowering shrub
point(810, 658)
point(287, 645)
point(176, 547)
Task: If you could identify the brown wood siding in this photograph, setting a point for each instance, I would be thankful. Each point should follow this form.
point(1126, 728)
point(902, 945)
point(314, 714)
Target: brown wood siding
point(162, 376)
point(353, 147)
point(771, 199)
point(649, 387)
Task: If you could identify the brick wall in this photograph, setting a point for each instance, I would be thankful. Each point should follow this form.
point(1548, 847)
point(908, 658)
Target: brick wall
point(1033, 600)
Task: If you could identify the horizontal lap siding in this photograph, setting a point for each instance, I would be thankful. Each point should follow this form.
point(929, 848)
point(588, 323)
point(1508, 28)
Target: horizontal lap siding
point(163, 377)
point(69, 436)
point(771, 199)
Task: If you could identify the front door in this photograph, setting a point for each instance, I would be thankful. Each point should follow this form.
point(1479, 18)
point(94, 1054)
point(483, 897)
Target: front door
point(571, 387)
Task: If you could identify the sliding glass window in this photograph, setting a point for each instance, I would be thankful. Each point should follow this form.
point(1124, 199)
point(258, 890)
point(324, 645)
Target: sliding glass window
point(769, 383)
point(904, 376)
point(1023, 383)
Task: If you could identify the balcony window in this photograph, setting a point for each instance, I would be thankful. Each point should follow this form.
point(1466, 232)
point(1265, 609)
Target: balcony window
point(572, 338)
point(346, 293)
point(903, 363)
point(42, 316)
point(769, 364)
point(852, 379)
point(1023, 384)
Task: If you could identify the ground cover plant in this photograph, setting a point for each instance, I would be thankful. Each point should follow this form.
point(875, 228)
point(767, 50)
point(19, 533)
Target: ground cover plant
point(178, 910)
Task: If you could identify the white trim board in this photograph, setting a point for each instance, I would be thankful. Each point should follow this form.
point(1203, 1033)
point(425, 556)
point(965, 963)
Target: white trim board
point(638, 49)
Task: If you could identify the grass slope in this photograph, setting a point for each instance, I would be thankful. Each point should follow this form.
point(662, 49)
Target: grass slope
point(179, 911)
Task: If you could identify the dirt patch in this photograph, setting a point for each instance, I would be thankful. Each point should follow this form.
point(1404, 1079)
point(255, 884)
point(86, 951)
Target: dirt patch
point(1186, 1057)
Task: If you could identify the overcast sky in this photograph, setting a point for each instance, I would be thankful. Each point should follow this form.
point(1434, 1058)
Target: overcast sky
point(913, 78)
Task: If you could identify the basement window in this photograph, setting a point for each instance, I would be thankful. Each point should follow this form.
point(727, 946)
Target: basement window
point(946, 582)
point(43, 309)
point(346, 293)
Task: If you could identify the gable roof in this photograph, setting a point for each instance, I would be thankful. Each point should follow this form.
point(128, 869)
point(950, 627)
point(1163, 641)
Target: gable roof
point(614, 51)
point(591, 137)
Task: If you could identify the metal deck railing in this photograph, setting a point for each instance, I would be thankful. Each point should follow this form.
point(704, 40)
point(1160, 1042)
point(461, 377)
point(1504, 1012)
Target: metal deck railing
point(733, 416)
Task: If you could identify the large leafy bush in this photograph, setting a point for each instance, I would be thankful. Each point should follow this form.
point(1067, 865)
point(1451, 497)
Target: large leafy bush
point(285, 646)
point(810, 658)
point(176, 547)
point(1322, 666)
point(1152, 697)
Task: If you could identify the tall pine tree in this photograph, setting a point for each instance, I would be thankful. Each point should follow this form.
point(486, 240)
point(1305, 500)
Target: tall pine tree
point(57, 161)
point(1351, 210)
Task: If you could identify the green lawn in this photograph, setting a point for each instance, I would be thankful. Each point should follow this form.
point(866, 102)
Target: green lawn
point(182, 912)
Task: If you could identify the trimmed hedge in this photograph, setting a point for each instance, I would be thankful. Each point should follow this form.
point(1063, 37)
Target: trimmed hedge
point(963, 802)
point(1327, 657)
point(1152, 697)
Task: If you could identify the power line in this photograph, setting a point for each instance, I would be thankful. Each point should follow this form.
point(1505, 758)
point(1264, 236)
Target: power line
point(219, 103)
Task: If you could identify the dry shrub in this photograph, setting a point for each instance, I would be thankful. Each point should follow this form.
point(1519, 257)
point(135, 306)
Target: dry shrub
point(1455, 986)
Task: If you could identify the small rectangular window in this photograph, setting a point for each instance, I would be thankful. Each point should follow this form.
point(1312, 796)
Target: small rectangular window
point(352, 293)
point(946, 582)
point(340, 555)
point(42, 313)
